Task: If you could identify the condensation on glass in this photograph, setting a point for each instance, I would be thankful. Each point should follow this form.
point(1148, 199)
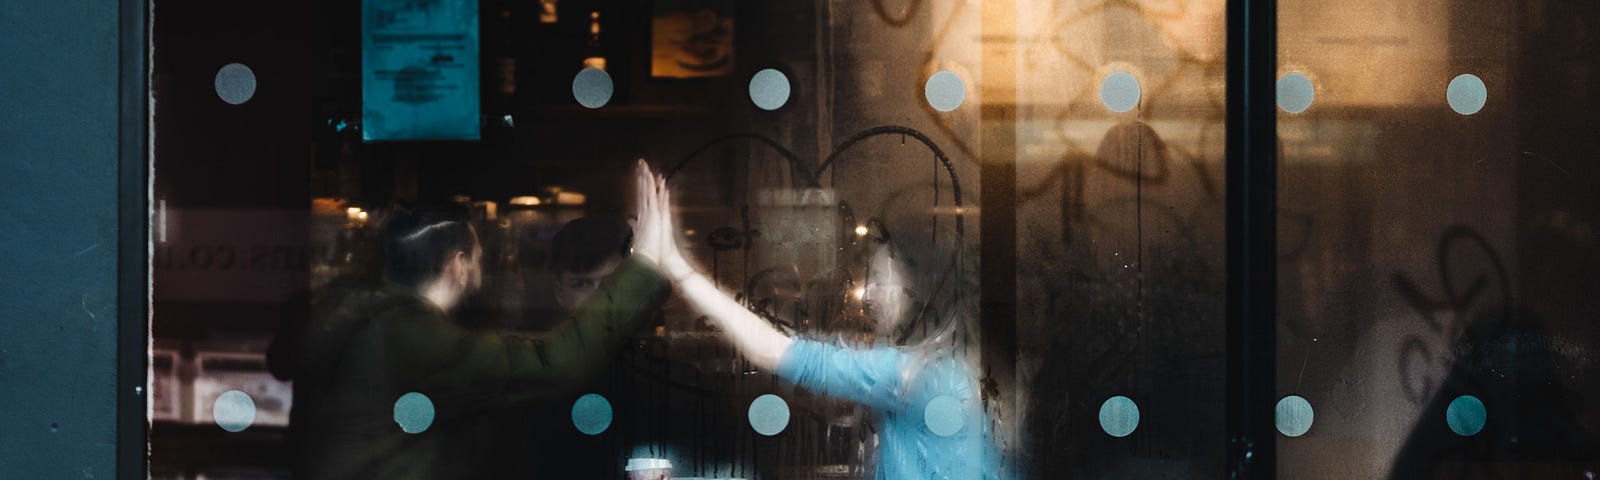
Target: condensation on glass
point(1433, 234)
point(1436, 240)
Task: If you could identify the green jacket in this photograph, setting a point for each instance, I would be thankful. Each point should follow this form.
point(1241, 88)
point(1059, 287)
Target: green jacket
point(365, 348)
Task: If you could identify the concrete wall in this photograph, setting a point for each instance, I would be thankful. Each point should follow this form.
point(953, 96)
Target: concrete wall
point(58, 207)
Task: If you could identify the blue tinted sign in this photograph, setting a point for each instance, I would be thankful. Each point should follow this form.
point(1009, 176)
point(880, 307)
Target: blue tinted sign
point(419, 70)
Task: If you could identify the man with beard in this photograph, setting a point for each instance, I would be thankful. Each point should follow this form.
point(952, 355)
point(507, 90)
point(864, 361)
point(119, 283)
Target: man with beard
point(388, 385)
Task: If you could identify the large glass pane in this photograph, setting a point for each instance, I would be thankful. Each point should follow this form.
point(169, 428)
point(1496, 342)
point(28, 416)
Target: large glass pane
point(1120, 237)
point(801, 140)
point(1437, 265)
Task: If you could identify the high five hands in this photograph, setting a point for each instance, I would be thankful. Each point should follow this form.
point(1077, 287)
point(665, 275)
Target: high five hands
point(655, 240)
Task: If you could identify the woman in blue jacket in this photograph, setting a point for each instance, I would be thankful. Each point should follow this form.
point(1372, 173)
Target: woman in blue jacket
point(925, 396)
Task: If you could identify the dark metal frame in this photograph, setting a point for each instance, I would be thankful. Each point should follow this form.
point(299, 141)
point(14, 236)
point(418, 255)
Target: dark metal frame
point(133, 206)
point(1252, 230)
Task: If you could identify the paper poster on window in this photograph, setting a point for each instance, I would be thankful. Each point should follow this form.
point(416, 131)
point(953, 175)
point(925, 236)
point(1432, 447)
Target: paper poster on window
point(691, 38)
point(419, 70)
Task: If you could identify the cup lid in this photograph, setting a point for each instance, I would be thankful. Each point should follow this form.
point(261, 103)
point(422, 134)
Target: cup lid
point(636, 464)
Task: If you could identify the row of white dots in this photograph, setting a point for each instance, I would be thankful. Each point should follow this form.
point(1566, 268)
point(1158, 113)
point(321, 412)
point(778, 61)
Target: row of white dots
point(769, 415)
point(945, 91)
point(234, 411)
point(1293, 415)
point(1466, 93)
point(1120, 92)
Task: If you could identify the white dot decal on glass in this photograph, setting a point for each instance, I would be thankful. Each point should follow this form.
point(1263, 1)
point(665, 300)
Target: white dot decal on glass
point(943, 416)
point(1295, 92)
point(234, 411)
point(413, 412)
point(769, 89)
point(945, 91)
point(235, 83)
point(591, 414)
point(769, 414)
point(1119, 416)
point(1467, 94)
point(592, 87)
point(1466, 415)
point(1294, 416)
point(1120, 92)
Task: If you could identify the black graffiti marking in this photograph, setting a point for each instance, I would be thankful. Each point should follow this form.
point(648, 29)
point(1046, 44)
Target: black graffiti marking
point(812, 177)
point(730, 238)
point(794, 161)
point(1072, 173)
point(938, 154)
point(743, 238)
point(1457, 302)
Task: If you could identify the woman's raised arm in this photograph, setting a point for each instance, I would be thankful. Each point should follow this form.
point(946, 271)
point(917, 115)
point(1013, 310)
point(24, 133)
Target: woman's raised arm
point(761, 343)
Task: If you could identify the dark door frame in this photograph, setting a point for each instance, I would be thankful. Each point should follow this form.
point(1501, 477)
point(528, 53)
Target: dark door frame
point(133, 239)
point(1252, 232)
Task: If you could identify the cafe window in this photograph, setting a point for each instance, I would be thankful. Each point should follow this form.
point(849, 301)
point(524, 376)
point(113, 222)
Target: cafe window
point(974, 239)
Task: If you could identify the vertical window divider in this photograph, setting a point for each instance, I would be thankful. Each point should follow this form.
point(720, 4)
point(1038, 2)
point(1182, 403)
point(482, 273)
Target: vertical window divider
point(1251, 294)
point(133, 241)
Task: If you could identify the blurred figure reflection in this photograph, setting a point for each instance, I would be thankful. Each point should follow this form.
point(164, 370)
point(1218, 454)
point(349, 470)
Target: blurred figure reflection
point(583, 253)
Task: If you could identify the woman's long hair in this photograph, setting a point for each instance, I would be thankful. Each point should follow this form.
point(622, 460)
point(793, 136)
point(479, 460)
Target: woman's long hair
point(942, 324)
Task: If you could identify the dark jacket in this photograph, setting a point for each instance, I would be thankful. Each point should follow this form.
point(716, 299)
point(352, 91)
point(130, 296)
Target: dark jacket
point(364, 348)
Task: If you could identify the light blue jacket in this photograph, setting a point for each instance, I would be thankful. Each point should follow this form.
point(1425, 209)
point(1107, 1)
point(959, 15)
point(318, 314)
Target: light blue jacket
point(933, 425)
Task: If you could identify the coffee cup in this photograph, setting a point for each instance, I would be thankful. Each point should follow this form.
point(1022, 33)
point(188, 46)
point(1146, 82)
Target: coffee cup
point(649, 469)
